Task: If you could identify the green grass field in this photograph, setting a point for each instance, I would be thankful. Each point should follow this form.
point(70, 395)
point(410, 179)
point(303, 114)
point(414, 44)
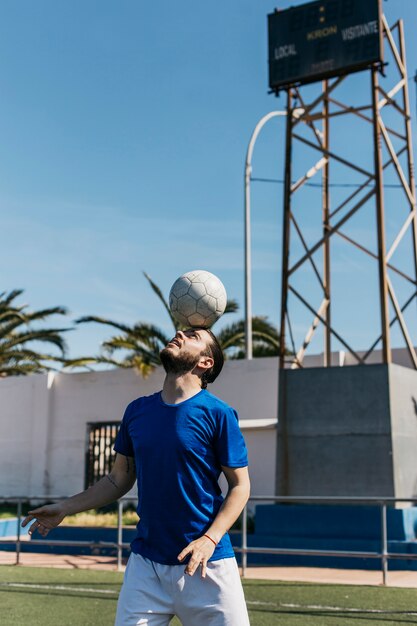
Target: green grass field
point(45, 597)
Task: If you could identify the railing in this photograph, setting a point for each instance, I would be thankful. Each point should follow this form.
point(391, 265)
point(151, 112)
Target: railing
point(383, 555)
point(118, 545)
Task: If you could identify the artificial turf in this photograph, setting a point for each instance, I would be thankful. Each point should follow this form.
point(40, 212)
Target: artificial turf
point(46, 596)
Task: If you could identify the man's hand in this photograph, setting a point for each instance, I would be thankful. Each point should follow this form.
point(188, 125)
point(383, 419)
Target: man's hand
point(201, 550)
point(47, 517)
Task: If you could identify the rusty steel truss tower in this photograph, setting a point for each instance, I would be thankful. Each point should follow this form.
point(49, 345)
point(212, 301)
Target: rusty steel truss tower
point(346, 431)
point(390, 136)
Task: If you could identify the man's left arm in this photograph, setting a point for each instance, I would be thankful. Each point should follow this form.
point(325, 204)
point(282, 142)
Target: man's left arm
point(238, 493)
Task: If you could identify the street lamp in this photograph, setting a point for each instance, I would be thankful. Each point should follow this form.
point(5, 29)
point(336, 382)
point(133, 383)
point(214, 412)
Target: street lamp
point(248, 266)
point(248, 263)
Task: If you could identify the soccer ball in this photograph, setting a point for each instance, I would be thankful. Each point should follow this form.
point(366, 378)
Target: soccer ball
point(197, 298)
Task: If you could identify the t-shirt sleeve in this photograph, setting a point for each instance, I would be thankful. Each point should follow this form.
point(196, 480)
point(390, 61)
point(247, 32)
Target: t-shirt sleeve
point(230, 445)
point(123, 443)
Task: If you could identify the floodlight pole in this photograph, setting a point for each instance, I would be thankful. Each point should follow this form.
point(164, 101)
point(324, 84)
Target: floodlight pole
point(248, 262)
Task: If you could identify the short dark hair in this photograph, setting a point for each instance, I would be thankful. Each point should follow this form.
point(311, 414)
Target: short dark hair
point(215, 351)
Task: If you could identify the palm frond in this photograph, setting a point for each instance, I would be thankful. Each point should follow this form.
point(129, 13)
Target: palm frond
point(12, 314)
point(8, 299)
point(20, 370)
point(145, 332)
point(121, 342)
point(142, 367)
point(265, 338)
point(81, 361)
point(165, 304)
point(150, 355)
point(16, 331)
point(50, 335)
point(101, 320)
point(84, 361)
point(231, 306)
point(231, 335)
point(21, 354)
point(43, 313)
point(7, 328)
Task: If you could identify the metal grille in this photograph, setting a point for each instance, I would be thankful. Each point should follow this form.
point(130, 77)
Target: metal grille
point(99, 450)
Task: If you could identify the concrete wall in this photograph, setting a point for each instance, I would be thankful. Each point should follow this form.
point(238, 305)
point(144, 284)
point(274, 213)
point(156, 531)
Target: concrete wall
point(335, 432)
point(43, 422)
point(403, 405)
point(23, 403)
point(348, 431)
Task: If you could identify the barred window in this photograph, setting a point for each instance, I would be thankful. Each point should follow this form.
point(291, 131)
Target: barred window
point(99, 450)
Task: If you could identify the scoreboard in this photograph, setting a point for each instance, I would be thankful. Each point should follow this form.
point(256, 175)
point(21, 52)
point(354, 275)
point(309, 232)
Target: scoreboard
point(322, 39)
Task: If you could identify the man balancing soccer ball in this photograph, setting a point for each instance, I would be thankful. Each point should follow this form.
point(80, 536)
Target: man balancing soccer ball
point(176, 443)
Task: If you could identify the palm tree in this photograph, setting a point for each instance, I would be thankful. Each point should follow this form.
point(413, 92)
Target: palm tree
point(17, 332)
point(143, 342)
point(140, 344)
point(232, 338)
point(265, 339)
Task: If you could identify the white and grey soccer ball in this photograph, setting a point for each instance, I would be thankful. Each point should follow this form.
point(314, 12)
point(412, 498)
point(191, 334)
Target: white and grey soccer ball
point(197, 298)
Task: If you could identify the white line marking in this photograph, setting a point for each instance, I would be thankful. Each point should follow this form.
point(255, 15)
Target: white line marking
point(319, 607)
point(58, 588)
point(263, 603)
point(316, 607)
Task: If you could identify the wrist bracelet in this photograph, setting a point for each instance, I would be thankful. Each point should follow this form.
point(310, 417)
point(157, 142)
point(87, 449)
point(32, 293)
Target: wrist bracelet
point(212, 540)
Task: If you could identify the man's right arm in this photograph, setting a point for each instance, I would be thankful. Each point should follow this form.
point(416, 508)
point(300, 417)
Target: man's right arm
point(110, 488)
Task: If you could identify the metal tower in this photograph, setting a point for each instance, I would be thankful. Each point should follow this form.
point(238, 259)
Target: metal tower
point(387, 118)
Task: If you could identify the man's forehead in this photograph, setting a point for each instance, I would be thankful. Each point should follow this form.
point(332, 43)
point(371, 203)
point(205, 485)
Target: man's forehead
point(200, 332)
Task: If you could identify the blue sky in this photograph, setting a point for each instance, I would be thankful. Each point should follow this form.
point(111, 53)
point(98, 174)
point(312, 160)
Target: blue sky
point(124, 128)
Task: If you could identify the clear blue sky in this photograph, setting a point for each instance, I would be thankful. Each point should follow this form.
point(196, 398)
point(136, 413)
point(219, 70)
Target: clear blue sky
point(123, 133)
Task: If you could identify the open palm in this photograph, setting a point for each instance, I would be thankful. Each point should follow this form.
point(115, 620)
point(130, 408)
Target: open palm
point(46, 518)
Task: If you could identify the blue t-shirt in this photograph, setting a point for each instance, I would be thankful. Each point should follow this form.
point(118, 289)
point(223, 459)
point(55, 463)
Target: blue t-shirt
point(179, 450)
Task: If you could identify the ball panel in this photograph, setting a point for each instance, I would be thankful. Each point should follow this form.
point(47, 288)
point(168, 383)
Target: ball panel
point(206, 305)
point(221, 303)
point(192, 275)
point(203, 276)
point(214, 287)
point(187, 305)
point(181, 319)
point(180, 287)
point(197, 290)
point(173, 302)
point(211, 319)
point(196, 319)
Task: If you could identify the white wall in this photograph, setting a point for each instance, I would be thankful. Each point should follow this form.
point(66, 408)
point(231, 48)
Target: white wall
point(43, 422)
point(23, 420)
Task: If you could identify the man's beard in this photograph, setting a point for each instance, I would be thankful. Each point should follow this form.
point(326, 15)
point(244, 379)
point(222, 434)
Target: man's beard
point(178, 363)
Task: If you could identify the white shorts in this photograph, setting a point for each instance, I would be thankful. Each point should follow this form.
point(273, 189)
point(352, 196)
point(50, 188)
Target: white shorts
point(152, 594)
